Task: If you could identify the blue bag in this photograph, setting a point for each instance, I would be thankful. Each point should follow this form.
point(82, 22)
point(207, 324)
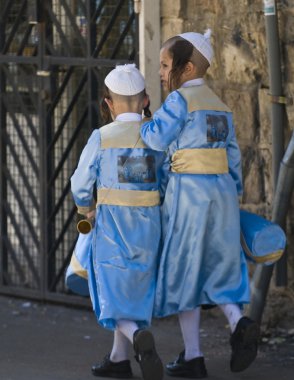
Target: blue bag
point(263, 241)
point(76, 277)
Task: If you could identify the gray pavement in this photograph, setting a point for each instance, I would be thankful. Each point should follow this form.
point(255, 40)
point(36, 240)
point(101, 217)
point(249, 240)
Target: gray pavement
point(52, 342)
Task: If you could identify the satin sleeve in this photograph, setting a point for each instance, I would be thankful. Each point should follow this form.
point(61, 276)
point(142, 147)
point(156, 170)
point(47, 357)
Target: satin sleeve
point(164, 171)
point(85, 175)
point(167, 123)
point(234, 161)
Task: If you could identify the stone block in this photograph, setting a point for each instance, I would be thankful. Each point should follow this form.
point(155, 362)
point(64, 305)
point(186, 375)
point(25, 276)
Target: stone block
point(170, 27)
point(264, 110)
point(170, 9)
point(243, 105)
point(252, 177)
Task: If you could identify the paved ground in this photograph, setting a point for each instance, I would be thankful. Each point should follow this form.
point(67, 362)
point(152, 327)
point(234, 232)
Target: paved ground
point(49, 342)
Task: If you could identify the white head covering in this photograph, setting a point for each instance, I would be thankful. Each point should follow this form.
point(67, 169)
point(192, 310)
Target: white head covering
point(125, 80)
point(201, 42)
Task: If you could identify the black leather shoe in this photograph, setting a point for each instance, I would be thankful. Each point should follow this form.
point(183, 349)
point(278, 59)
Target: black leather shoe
point(107, 368)
point(192, 369)
point(244, 343)
point(146, 355)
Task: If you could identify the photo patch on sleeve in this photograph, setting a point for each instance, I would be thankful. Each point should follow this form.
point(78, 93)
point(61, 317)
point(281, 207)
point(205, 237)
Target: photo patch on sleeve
point(136, 169)
point(217, 128)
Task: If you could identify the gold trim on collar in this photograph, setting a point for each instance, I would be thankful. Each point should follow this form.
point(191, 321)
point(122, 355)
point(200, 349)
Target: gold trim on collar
point(122, 134)
point(120, 197)
point(200, 161)
point(202, 98)
point(77, 268)
point(271, 257)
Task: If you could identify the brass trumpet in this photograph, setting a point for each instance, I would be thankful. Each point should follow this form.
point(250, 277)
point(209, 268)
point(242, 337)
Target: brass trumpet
point(85, 226)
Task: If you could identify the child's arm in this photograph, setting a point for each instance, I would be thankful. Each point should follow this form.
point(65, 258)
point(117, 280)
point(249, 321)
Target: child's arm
point(234, 160)
point(167, 123)
point(85, 175)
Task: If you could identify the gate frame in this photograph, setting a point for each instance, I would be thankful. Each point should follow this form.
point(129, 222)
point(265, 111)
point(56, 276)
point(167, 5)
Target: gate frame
point(43, 63)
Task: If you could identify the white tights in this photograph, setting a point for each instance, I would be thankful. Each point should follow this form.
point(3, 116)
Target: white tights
point(122, 336)
point(190, 324)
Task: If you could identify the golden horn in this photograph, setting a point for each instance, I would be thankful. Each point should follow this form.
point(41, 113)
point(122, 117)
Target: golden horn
point(85, 226)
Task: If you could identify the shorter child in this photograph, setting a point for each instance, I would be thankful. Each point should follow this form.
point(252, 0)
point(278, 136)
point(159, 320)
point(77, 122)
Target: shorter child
point(201, 263)
point(126, 237)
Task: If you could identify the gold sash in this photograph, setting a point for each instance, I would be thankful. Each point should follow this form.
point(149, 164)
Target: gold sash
point(121, 197)
point(200, 161)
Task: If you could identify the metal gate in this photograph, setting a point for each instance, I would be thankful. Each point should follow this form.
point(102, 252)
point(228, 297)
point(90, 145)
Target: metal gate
point(54, 55)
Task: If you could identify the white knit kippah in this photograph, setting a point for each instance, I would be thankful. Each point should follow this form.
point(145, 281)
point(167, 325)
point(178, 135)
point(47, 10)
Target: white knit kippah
point(201, 42)
point(125, 80)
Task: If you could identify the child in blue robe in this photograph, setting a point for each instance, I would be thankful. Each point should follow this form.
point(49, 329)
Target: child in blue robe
point(124, 257)
point(201, 263)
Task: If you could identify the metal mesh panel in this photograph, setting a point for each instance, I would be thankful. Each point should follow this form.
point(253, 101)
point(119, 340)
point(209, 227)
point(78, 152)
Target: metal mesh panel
point(21, 205)
point(54, 55)
point(76, 124)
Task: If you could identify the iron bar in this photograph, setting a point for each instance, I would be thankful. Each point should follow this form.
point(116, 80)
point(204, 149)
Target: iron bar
point(24, 246)
point(21, 171)
point(64, 229)
point(23, 142)
point(25, 39)
point(58, 205)
point(24, 110)
point(21, 206)
point(68, 149)
point(108, 28)
point(3, 160)
point(14, 27)
point(13, 256)
point(74, 26)
point(123, 35)
point(69, 110)
point(62, 36)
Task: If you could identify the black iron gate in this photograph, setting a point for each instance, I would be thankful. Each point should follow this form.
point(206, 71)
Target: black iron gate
point(54, 55)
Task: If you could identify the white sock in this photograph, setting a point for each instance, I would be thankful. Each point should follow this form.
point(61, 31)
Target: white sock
point(190, 322)
point(120, 347)
point(233, 313)
point(127, 328)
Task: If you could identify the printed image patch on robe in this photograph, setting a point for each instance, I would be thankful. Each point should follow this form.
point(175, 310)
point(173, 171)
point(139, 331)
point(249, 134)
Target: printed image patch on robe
point(217, 128)
point(136, 169)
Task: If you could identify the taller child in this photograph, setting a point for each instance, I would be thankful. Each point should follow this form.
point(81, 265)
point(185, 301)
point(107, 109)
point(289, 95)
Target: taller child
point(201, 263)
point(122, 270)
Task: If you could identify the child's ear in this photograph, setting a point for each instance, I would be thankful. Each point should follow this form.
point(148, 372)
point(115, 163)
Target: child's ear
point(146, 101)
point(190, 68)
point(109, 103)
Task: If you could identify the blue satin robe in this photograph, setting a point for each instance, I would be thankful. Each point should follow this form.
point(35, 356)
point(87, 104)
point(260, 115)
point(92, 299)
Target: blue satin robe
point(201, 262)
point(123, 266)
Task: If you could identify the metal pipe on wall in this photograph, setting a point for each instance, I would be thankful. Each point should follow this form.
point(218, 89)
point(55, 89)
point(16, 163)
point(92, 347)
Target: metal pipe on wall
point(284, 189)
point(262, 275)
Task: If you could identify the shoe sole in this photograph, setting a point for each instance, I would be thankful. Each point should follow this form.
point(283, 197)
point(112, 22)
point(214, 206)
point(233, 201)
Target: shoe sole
point(185, 374)
point(246, 355)
point(149, 361)
point(115, 375)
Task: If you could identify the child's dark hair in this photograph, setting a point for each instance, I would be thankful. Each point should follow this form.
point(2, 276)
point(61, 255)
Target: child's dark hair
point(182, 52)
point(104, 109)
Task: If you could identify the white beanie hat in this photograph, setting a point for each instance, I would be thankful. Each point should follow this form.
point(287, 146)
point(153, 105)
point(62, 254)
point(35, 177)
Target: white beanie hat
point(125, 80)
point(201, 42)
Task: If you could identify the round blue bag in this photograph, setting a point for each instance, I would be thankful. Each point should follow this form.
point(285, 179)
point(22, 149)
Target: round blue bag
point(263, 241)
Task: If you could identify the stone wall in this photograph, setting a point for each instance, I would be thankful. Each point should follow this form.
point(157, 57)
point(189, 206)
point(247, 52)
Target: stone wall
point(239, 75)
